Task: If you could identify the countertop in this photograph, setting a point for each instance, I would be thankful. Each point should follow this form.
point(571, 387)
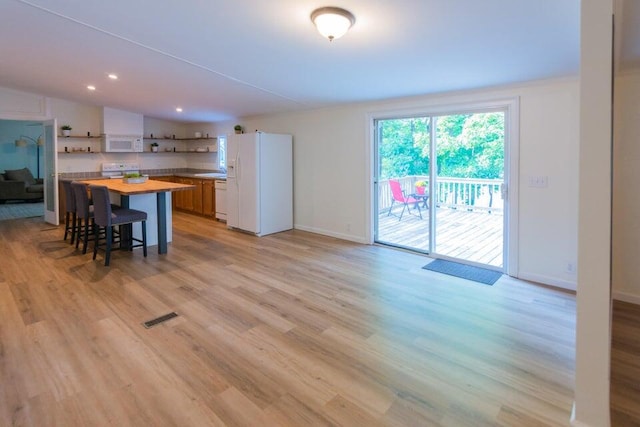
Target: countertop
point(150, 186)
point(202, 175)
point(78, 176)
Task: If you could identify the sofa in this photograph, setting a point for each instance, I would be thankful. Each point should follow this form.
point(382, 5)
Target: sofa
point(20, 184)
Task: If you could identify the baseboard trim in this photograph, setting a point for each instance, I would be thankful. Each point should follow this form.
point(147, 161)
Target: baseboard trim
point(574, 422)
point(577, 423)
point(546, 280)
point(349, 237)
point(626, 297)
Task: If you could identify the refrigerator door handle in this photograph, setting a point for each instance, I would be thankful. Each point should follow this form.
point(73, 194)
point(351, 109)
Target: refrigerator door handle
point(238, 168)
point(232, 167)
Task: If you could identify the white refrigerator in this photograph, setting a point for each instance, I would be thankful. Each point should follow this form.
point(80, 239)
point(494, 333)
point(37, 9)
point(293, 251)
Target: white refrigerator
point(260, 182)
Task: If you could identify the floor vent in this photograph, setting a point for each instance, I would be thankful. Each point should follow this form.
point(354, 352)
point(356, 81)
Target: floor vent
point(148, 324)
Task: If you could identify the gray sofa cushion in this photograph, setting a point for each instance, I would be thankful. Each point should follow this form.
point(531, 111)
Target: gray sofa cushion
point(23, 175)
point(35, 188)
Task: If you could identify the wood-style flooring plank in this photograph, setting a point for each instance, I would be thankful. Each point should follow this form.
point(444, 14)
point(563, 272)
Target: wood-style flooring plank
point(625, 365)
point(291, 329)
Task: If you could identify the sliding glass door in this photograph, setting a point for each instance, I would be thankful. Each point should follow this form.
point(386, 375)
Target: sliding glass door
point(403, 170)
point(439, 182)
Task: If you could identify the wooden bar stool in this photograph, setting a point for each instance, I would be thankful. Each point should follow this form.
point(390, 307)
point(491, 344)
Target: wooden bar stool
point(105, 216)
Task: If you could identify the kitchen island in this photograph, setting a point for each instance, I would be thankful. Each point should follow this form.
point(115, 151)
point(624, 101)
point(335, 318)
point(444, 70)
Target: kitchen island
point(141, 197)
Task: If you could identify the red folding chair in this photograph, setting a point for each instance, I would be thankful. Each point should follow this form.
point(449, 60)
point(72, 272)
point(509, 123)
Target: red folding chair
point(397, 195)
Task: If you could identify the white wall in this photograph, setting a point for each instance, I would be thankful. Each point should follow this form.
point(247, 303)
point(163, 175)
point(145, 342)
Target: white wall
point(593, 310)
point(331, 169)
point(161, 128)
point(89, 118)
point(626, 198)
point(17, 105)
point(202, 161)
point(81, 117)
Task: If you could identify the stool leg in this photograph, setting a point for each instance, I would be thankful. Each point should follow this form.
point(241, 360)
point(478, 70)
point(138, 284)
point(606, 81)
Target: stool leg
point(96, 241)
point(66, 225)
point(107, 255)
point(86, 236)
point(144, 238)
point(74, 220)
point(79, 232)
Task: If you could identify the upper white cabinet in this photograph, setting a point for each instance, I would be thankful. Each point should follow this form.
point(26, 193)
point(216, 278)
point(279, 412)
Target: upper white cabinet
point(120, 122)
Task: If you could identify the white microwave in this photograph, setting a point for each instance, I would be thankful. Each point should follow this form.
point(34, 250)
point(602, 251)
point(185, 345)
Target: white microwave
point(122, 144)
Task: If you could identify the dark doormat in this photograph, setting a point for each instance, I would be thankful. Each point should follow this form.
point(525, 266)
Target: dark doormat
point(469, 272)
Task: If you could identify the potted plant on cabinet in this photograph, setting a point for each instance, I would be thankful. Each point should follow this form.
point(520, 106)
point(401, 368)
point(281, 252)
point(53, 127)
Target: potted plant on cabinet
point(237, 128)
point(66, 130)
point(154, 147)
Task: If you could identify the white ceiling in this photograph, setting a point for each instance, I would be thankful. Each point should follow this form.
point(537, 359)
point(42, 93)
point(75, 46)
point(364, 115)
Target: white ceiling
point(223, 59)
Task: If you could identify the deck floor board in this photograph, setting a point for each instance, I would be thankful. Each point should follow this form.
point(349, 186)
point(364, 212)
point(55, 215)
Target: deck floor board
point(469, 235)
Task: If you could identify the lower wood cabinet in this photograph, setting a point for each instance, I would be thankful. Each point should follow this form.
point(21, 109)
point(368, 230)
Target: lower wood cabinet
point(208, 198)
point(200, 200)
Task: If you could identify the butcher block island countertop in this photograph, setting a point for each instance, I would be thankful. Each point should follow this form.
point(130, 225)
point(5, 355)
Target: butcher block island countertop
point(150, 186)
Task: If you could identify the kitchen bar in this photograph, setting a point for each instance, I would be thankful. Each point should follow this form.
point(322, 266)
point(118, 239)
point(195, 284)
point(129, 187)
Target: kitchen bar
point(140, 196)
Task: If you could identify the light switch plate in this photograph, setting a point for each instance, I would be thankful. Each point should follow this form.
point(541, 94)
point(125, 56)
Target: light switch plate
point(538, 181)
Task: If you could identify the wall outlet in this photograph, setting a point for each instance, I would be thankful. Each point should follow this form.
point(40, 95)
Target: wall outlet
point(571, 268)
point(348, 227)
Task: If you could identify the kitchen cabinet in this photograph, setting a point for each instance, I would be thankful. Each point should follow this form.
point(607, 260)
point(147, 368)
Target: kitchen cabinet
point(208, 198)
point(200, 200)
point(190, 200)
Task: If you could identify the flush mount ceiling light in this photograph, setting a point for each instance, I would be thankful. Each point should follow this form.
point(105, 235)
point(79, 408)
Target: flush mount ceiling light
point(113, 76)
point(332, 22)
point(179, 109)
point(91, 87)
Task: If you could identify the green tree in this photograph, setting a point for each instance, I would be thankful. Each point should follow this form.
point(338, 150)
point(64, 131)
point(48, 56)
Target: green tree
point(471, 145)
point(402, 147)
point(468, 145)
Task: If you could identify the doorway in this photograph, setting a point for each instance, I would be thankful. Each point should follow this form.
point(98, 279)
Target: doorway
point(440, 185)
point(21, 194)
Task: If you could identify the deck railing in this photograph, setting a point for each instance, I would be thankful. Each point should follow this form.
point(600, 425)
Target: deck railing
point(455, 193)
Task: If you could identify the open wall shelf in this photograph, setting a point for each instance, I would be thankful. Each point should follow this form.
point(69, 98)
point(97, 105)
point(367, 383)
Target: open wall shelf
point(80, 137)
point(211, 138)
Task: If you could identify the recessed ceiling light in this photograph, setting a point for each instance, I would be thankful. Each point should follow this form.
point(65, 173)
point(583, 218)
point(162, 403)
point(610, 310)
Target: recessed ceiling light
point(113, 76)
point(179, 110)
point(91, 87)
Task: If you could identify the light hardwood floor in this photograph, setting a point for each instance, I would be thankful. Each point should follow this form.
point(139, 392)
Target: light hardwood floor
point(625, 365)
point(292, 329)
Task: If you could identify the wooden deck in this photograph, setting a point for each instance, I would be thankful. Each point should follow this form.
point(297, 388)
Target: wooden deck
point(472, 236)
